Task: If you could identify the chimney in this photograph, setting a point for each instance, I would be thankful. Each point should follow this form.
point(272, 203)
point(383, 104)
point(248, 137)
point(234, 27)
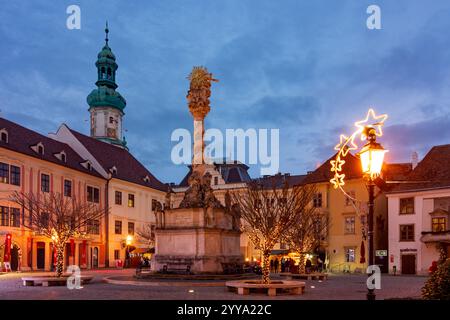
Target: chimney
point(414, 159)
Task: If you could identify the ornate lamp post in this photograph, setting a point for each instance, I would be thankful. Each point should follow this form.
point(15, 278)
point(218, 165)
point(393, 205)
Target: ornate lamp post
point(371, 157)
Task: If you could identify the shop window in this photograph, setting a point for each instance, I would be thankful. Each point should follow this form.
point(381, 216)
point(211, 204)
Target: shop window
point(349, 254)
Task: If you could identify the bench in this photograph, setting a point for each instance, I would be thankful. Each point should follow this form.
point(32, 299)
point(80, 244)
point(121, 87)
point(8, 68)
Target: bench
point(143, 270)
point(244, 287)
point(306, 276)
point(177, 268)
point(51, 281)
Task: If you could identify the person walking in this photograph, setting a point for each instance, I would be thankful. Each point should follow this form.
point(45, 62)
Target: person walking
point(283, 264)
point(275, 264)
point(271, 265)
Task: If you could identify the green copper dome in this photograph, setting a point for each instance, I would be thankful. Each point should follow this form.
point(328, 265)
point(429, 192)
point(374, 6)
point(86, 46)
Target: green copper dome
point(106, 95)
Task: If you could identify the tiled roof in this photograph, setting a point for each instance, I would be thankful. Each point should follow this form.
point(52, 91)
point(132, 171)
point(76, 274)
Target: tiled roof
point(235, 172)
point(432, 172)
point(351, 169)
point(396, 171)
point(128, 168)
point(21, 139)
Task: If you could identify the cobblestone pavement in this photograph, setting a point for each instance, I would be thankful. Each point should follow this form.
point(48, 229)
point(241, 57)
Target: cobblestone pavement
point(337, 287)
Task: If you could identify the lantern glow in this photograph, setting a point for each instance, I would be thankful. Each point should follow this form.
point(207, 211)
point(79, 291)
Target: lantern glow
point(372, 157)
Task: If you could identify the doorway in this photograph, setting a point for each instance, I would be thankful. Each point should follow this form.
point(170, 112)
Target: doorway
point(15, 258)
point(408, 264)
point(94, 258)
point(40, 255)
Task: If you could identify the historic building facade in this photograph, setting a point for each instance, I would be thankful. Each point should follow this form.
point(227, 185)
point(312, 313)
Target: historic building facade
point(98, 168)
point(419, 231)
point(32, 163)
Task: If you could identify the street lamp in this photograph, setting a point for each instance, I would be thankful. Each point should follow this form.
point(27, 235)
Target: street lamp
point(128, 242)
point(372, 157)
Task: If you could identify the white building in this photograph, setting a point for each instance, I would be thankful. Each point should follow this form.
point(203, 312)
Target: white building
point(419, 213)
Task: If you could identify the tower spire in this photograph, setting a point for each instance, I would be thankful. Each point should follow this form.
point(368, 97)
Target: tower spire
point(106, 32)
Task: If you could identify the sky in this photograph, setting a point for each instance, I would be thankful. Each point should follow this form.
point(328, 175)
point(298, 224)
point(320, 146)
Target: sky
point(308, 68)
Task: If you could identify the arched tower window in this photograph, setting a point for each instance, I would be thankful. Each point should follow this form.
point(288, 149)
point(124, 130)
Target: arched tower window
point(102, 75)
point(4, 136)
point(109, 74)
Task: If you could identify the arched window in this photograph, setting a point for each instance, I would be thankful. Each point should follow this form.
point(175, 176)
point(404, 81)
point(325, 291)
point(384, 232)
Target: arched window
point(109, 74)
point(40, 149)
point(4, 136)
point(103, 76)
point(63, 157)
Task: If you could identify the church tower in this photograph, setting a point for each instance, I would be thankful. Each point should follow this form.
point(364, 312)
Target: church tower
point(106, 105)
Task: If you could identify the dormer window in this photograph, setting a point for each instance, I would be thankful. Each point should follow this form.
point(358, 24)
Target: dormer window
point(38, 148)
point(87, 164)
point(147, 179)
point(4, 136)
point(113, 170)
point(61, 156)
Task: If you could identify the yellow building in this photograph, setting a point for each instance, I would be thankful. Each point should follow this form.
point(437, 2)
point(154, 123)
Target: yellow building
point(346, 247)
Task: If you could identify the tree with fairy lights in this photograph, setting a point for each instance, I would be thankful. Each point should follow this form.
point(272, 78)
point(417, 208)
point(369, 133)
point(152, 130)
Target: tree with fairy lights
point(58, 218)
point(268, 212)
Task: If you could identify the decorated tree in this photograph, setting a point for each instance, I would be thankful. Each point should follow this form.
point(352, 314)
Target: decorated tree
point(268, 212)
point(58, 218)
point(307, 233)
point(437, 287)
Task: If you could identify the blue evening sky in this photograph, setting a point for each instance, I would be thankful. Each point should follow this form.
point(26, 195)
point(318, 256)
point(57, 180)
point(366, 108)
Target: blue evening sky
point(309, 68)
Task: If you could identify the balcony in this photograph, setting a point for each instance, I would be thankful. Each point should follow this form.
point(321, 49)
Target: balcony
point(435, 236)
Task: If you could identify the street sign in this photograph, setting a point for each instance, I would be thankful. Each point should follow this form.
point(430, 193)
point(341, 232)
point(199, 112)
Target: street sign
point(381, 253)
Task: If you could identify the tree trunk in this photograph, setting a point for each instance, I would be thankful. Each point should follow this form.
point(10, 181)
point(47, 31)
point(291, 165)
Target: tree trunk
point(301, 264)
point(59, 259)
point(266, 267)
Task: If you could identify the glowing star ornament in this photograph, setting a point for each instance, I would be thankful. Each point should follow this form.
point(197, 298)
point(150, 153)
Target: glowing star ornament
point(336, 165)
point(347, 144)
point(371, 120)
point(338, 180)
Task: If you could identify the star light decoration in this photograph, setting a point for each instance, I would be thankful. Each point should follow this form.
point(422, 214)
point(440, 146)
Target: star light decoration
point(347, 144)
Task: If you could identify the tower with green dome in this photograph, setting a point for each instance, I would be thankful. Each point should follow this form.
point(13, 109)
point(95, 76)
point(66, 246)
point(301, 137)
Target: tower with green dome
point(106, 105)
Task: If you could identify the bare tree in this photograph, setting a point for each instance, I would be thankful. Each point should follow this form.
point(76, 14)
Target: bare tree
point(269, 212)
point(58, 218)
point(307, 234)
